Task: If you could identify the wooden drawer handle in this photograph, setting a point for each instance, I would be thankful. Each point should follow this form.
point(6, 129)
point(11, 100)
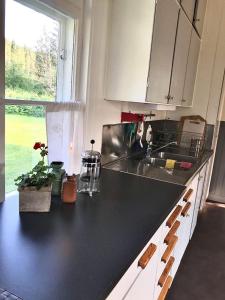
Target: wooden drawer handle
point(144, 260)
point(174, 216)
point(186, 209)
point(166, 271)
point(187, 196)
point(165, 288)
point(169, 249)
point(171, 233)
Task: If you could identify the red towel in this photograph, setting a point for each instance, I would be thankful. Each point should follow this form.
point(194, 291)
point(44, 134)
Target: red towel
point(129, 117)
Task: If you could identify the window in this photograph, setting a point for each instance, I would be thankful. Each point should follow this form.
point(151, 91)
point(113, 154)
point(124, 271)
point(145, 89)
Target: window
point(40, 54)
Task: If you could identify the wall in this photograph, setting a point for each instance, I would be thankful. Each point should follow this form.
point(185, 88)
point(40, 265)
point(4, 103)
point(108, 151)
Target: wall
point(99, 111)
point(210, 67)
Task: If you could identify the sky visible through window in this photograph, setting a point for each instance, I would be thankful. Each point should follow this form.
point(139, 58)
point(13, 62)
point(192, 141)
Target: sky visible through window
point(24, 25)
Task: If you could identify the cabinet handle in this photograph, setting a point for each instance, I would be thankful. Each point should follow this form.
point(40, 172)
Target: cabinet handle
point(165, 288)
point(166, 271)
point(174, 216)
point(169, 249)
point(171, 233)
point(187, 196)
point(146, 257)
point(186, 209)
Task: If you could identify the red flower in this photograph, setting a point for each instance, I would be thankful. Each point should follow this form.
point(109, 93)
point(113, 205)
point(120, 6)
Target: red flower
point(42, 145)
point(37, 146)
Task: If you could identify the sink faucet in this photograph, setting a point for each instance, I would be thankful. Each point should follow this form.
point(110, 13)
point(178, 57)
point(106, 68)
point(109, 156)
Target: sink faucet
point(150, 151)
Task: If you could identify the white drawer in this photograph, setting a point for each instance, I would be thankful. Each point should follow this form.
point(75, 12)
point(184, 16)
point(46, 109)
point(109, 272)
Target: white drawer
point(122, 289)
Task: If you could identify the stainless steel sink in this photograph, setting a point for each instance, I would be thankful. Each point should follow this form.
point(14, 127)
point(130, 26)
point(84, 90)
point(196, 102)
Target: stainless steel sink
point(175, 156)
point(155, 166)
point(158, 159)
point(154, 162)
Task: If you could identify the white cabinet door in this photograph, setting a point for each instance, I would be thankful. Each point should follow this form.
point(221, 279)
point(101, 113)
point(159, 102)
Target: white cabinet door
point(184, 230)
point(164, 33)
point(144, 285)
point(180, 59)
point(199, 15)
point(130, 38)
point(189, 8)
point(191, 69)
point(139, 280)
point(166, 240)
point(205, 188)
point(198, 198)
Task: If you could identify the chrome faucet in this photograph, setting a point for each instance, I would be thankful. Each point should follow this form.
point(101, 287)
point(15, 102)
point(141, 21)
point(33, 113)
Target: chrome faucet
point(150, 151)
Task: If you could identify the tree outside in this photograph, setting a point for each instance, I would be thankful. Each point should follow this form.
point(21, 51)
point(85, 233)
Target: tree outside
point(31, 73)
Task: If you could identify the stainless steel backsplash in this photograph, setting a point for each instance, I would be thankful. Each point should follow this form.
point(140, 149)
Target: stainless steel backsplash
point(120, 140)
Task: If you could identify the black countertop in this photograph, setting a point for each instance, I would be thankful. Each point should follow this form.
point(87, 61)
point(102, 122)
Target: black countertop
point(81, 251)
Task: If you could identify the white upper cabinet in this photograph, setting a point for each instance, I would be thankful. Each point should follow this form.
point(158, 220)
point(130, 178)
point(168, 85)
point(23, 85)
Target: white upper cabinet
point(153, 51)
point(191, 69)
point(130, 38)
point(189, 8)
point(164, 35)
point(180, 59)
point(199, 15)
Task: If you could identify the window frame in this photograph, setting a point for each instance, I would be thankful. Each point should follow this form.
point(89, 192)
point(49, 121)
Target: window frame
point(57, 10)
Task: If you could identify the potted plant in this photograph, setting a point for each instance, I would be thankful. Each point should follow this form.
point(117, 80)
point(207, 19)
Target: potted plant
point(35, 186)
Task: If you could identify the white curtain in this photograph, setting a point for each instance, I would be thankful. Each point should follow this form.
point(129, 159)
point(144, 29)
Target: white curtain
point(64, 123)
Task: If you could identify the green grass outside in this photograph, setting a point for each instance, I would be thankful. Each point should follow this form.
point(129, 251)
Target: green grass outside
point(18, 93)
point(21, 133)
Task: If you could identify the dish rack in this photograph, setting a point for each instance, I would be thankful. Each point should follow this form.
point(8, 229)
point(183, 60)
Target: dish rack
point(188, 143)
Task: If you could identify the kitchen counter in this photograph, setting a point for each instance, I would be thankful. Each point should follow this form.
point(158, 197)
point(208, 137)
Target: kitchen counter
point(81, 251)
point(136, 165)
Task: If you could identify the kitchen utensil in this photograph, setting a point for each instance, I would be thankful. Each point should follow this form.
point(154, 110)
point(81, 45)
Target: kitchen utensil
point(90, 171)
point(195, 148)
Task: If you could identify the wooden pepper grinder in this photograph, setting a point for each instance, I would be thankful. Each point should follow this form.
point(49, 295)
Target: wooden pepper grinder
point(69, 189)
